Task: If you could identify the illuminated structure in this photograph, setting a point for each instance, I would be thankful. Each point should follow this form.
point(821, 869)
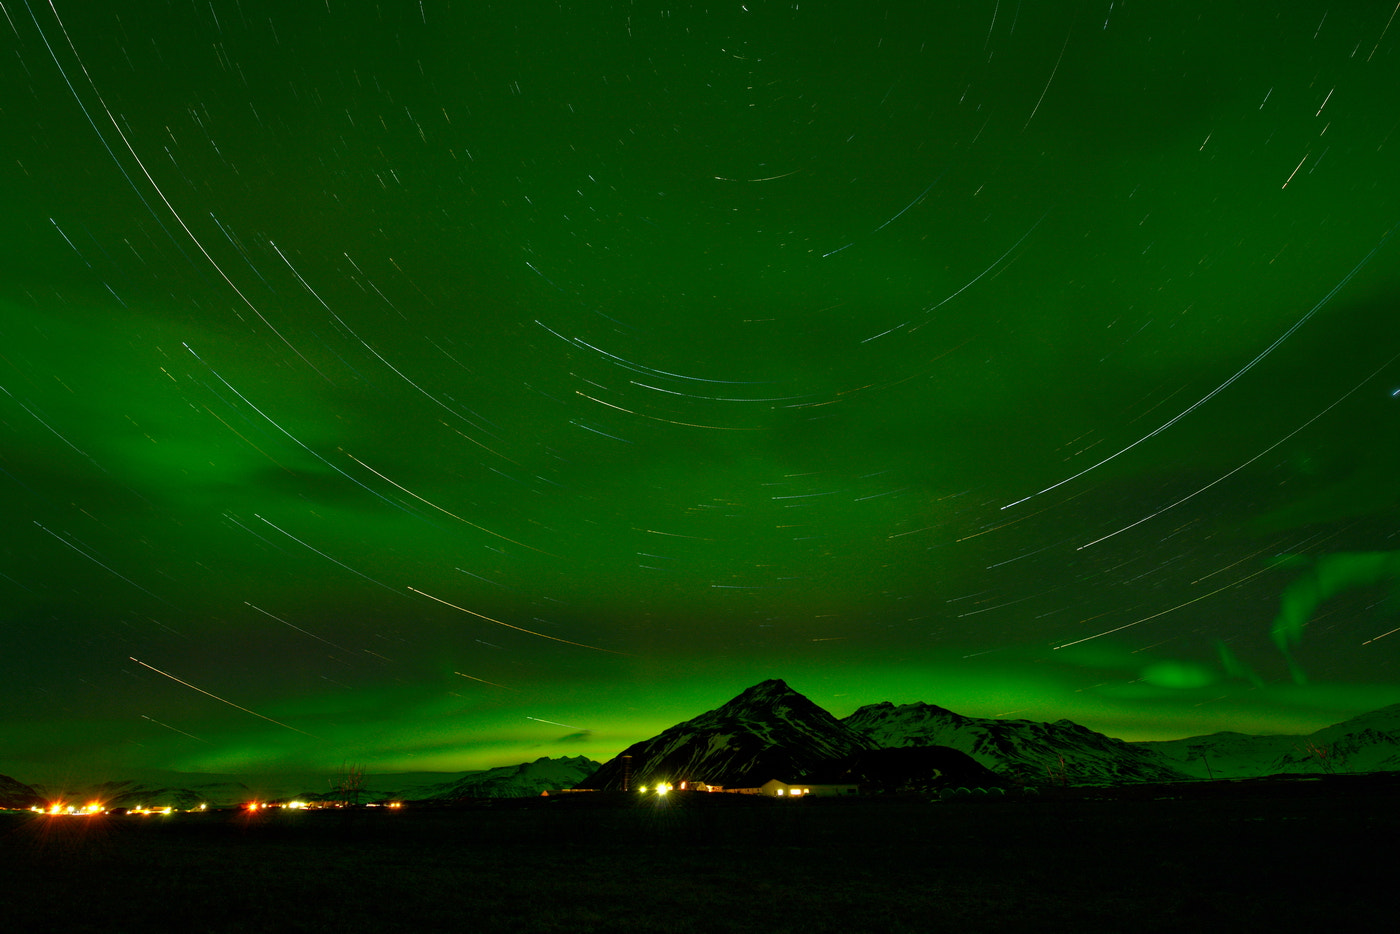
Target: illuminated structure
point(779, 789)
point(775, 788)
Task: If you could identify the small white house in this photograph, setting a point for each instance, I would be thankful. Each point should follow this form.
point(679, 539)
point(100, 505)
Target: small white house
point(777, 789)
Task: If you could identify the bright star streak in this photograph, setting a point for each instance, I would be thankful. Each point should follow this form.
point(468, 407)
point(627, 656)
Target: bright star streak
point(380, 357)
point(488, 619)
point(55, 431)
point(218, 698)
point(973, 281)
point(1271, 447)
point(641, 367)
point(655, 418)
point(326, 556)
point(1109, 632)
point(482, 680)
point(420, 499)
point(297, 441)
point(1044, 90)
point(297, 628)
point(1225, 385)
point(181, 732)
point(101, 565)
point(170, 207)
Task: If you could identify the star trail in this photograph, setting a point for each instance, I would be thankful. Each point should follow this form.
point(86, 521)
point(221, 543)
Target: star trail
point(415, 380)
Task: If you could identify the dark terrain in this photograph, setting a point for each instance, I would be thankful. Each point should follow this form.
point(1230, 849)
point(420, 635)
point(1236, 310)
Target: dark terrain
point(1263, 855)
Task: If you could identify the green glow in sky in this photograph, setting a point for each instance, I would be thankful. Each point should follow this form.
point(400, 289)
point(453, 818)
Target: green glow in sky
point(441, 385)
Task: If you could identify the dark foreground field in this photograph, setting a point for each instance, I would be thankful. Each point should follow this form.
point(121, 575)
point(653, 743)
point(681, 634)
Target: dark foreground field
point(1300, 856)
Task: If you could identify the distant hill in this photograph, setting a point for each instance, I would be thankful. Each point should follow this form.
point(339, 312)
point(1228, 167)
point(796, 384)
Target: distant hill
point(1368, 742)
point(1062, 752)
point(127, 794)
point(514, 781)
point(160, 788)
point(768, 731)
point(16, 794)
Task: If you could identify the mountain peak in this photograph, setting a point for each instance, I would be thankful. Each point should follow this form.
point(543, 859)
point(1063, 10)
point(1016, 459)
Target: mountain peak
point(771, 687)
point(766, 731)
point(917, 708)
point(768, 693)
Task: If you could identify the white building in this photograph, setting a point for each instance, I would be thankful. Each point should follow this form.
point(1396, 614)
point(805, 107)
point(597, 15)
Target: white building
point(774, 788)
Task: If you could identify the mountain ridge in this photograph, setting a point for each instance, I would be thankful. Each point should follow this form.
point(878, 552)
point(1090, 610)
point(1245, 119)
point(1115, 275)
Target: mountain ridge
point(1062, 752)
point(184, 790)
point(1367, 742)
point(770, 731)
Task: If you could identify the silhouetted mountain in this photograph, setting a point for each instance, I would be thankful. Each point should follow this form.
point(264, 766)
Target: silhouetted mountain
point(128, 794)
point(909, 768)
point(1368, 742)
point(15, 794)
point(1060, 752)
point(768, 731)
point(187, 790)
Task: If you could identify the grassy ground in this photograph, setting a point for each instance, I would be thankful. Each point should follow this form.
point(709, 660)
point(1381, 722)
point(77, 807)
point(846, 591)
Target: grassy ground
point(1280, 859)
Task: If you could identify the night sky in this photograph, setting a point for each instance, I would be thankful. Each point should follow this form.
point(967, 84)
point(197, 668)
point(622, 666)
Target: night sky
point(441, 385)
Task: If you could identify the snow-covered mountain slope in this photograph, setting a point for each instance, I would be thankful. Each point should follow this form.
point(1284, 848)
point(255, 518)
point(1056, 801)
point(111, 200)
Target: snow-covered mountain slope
point(1059, 752)
point(768, 731)
point(1368, 742)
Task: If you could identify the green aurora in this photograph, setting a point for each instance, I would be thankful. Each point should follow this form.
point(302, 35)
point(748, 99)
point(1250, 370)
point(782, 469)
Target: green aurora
point(442, 385)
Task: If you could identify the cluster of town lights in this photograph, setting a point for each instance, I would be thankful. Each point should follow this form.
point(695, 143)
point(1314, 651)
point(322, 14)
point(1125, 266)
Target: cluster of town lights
point(59, 809)
point(94, 809)
point(69, 810)
point(662, 787)
point(311, 805)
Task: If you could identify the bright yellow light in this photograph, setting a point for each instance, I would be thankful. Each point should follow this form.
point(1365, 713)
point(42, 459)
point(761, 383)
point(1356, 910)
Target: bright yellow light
point(642, 789)
point(297, 805)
